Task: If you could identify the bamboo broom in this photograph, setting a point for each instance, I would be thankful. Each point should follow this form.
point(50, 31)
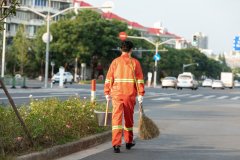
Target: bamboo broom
point(146, 127)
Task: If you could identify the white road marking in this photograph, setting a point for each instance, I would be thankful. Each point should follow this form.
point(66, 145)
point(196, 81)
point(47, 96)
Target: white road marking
point(235, 98)
point(165, 99)
point(223, 97)
point(195, 96)
point(35, 97)
point(183, 95)
point(211, 96)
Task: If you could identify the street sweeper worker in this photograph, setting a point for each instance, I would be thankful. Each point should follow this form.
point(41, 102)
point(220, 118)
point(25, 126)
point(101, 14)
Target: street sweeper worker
point(120, 87)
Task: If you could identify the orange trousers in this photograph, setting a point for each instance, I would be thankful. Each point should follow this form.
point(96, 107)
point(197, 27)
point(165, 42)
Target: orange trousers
point(122, 107)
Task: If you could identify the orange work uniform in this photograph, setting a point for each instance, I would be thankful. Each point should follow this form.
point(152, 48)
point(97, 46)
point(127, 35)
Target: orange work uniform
point(120, 85)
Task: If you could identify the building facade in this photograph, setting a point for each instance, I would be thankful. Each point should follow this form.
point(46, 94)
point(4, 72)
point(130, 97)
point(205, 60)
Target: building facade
point(25, 15)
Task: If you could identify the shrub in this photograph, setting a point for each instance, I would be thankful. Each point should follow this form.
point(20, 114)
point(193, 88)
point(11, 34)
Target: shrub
point(50, 122)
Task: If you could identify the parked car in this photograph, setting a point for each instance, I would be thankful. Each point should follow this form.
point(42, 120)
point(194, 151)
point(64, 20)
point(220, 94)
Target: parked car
point(207, 83)
point(169, 82)
point(218, 84)
point(187, 80)
point(236, 83)
point(67, 77)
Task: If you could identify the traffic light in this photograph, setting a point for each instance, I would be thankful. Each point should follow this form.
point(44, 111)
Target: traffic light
point(194, 38)
point(195, 41)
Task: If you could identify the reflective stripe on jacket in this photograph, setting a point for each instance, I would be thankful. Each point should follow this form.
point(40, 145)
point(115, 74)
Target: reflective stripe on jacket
point(120, 79)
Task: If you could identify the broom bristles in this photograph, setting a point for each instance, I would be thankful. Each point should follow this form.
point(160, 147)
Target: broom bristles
point(147, 128)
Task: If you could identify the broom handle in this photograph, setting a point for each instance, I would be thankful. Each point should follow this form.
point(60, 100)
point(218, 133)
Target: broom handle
point(135, 80)
point(106, 113)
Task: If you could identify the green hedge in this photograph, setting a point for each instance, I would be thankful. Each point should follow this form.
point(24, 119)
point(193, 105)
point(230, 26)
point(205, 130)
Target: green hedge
point(50, 122)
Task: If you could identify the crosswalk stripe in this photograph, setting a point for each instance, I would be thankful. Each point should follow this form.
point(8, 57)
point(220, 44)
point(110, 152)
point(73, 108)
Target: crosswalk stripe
point(207, 97)
point(223, 97)
point(235, 98)
point(195, 96)
point(166, 99)
point(183, 95)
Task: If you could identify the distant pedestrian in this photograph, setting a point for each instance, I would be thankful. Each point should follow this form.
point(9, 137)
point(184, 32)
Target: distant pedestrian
point(121, 88)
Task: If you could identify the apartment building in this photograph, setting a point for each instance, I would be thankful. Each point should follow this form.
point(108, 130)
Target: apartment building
point(32, 21)
point(25, 15)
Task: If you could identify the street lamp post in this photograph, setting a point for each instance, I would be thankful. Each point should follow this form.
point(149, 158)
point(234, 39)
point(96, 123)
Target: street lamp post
point(4, 47)
point(156, 44)
point(187, 65)
point(47, 46)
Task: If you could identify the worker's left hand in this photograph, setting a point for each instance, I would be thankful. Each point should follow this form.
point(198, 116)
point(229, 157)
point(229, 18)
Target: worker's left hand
point(108, 97)
point(140, 99)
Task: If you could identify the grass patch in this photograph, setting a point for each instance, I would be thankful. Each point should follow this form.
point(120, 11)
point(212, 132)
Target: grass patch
point(50, 122)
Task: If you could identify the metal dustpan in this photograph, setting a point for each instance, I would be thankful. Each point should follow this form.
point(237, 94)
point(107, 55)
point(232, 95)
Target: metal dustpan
point(103, 118)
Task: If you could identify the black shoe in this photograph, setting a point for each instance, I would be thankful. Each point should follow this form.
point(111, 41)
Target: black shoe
point(129, 145)
point(116, 149)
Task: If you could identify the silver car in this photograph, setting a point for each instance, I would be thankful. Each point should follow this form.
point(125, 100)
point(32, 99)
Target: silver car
point(207, 83)
point(217, 84)
point(169, 82)
point(236, 83)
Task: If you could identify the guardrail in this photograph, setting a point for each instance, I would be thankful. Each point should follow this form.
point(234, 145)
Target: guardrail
point(13, 81)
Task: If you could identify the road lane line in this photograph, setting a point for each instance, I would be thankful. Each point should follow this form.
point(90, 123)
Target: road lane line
point(34, 97)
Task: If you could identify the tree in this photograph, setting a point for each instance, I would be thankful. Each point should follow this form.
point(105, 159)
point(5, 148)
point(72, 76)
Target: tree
point(84, 37)
point(8, 8)
point(21, 47)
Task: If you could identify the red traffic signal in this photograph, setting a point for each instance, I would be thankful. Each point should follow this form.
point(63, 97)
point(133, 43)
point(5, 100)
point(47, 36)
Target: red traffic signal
point(122, 36)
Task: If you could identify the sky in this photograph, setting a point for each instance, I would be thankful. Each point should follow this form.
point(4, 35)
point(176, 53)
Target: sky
point(217, 19)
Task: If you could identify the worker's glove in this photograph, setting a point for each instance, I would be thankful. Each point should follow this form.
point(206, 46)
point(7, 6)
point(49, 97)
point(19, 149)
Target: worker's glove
point(108, 97)
point(140, 99)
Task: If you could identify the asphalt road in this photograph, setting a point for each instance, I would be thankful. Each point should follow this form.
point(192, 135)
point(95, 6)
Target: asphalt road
point(194, 125)
point(155, 95)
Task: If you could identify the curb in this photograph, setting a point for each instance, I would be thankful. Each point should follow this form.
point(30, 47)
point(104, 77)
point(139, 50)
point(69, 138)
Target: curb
point(69, 148)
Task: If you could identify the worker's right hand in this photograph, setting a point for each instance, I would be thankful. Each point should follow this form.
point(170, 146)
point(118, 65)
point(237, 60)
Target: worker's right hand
point(108, 97)
point(140, 99)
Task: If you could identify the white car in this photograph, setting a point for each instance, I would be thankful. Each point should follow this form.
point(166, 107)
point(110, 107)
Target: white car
point(207, 83)
point(217, 84)
point(187, 80)
point(236, 83)
point(67, 78)
point(169, 82)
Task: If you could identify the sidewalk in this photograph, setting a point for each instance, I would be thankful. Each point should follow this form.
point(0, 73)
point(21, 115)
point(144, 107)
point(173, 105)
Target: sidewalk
point(97, 149)
point(69, 148)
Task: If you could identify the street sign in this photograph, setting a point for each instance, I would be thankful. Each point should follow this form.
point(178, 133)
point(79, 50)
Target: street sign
point(123, 36)
point(157, 57)
point(236, 43)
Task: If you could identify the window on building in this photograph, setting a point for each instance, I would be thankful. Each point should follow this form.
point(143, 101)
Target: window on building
point(40, 2)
